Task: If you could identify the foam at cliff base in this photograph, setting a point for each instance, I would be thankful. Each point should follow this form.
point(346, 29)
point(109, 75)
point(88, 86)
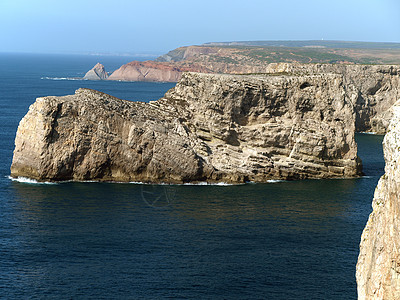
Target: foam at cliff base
point(214, 184)
point(61, 78)
point(29, 181)
point(369, 132)
point(203, 183)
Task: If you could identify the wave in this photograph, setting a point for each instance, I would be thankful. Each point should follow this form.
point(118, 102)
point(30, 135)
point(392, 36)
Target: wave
point(29, 180)
point(61, 78)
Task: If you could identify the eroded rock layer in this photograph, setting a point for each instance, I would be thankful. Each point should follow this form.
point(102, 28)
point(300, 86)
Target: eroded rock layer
point(213, 128)
point(378, 267)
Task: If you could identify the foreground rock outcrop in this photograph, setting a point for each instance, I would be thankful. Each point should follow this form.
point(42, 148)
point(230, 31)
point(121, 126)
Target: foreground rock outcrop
point(208, 128)
point(378, 267)
point(98, 72)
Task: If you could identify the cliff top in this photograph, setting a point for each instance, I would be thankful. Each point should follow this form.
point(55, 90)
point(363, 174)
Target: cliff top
point(254, 53)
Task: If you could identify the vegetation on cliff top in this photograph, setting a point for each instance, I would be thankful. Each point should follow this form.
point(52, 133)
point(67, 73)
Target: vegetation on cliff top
point(261, 52)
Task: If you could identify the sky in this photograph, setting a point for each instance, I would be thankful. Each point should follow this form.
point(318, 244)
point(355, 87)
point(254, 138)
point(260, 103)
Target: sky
point(156, 26)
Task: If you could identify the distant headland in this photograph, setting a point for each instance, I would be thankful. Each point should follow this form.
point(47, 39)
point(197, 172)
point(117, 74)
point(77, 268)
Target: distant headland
point(249, 57)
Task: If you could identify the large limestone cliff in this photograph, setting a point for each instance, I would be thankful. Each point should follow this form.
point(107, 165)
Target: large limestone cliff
point(374, 88)
point(209, 127)
point(378, 267)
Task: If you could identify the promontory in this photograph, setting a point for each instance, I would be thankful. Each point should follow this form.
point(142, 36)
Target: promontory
point(231, 128)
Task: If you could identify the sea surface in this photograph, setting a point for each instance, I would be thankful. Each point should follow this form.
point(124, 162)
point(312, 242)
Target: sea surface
point(278, 240)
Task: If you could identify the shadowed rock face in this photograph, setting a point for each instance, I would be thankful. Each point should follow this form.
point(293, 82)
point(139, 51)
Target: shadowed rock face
point(209, 127)
point(378, 267)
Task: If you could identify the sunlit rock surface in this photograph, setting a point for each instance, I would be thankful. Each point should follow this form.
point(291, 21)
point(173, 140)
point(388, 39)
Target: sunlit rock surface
point(209, 127)
point(378, 267)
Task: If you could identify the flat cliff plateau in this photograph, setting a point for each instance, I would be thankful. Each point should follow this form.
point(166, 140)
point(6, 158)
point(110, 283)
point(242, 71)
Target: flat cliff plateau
point(378, 266)
point(214, 128)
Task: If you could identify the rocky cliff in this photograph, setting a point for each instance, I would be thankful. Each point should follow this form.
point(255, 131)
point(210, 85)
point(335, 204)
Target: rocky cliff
point(373, 89)
point(152, 71)
point(98, 72)
point(213, 128)
point(378, 267)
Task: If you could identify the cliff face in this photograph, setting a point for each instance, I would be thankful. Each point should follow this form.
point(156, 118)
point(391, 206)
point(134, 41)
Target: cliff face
point(209, 127)
point(371, 90)
point(152, 71)
point(98, 72)
point(378, 267)
point(146, 71)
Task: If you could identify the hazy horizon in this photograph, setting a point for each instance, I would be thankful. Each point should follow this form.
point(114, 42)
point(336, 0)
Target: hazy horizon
point(155, 27)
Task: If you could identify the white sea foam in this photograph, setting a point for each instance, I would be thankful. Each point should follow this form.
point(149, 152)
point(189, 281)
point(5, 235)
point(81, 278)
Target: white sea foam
point(203, 183)
point(29, 180)
point(61, 78)
point(275, 181)
point(187, 183)
point(214, 183)
point(369, 132)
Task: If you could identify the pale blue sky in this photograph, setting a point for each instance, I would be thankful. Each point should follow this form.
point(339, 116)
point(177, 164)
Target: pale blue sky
point(122, 26)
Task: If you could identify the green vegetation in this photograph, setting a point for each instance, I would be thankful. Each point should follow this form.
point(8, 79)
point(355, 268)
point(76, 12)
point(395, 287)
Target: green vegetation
point(223, 59)
point(302, 55)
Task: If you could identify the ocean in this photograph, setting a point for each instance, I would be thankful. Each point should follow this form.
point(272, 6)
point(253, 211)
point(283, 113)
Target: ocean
point(88, 240)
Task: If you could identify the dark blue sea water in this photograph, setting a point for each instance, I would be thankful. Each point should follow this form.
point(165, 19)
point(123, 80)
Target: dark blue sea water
point(284, 240)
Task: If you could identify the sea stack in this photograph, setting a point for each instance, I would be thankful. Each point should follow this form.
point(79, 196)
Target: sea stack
point(215, 128)
point(98, 72)
point(378, 267)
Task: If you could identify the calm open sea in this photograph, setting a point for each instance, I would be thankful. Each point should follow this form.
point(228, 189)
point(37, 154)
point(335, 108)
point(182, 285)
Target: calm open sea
point(283, 240)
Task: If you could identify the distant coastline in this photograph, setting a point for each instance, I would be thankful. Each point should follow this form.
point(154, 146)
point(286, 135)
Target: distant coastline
point(249, 57)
